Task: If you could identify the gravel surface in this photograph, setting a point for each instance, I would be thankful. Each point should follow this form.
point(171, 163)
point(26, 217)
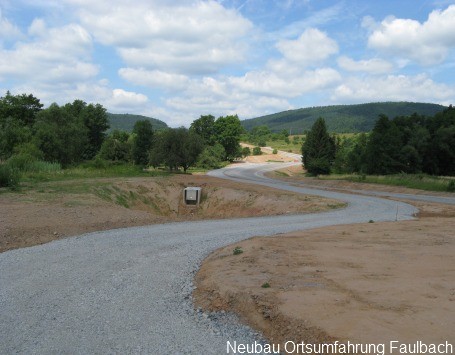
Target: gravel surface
point(129, 290)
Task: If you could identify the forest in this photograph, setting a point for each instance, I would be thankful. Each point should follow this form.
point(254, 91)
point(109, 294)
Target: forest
point(34, 139)
point(405, 144)
point(340, 118)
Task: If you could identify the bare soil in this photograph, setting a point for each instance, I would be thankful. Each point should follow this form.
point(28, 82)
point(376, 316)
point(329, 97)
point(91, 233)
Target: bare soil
point(50, 211)
point(266, 156)
point(365, 283)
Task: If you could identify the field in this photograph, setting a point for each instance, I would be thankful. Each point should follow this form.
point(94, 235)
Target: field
point(366, 283)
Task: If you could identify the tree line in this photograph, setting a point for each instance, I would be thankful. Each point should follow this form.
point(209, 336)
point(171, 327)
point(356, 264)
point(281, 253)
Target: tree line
point(77, 132)
point(404, 144)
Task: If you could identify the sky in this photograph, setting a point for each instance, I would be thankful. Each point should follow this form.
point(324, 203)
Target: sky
point(177, 60)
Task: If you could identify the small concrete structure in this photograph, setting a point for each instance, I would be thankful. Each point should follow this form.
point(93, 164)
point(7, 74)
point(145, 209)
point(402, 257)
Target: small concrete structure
point(192, 195)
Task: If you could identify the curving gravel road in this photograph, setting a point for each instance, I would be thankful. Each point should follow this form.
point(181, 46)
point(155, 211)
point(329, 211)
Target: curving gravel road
point(129, 290)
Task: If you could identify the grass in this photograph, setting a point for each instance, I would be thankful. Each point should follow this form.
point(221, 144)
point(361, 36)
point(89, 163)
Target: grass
point(414, 181)
point(290, 147)
point(87, 172)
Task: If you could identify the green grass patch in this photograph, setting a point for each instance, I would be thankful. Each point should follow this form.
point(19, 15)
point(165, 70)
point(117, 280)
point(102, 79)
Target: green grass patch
point(414, 181)
point(237, 251)
point(87, 171)
point(281, 173)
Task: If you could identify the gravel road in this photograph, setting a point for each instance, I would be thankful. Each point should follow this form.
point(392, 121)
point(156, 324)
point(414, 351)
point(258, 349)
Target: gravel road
point(128, 291)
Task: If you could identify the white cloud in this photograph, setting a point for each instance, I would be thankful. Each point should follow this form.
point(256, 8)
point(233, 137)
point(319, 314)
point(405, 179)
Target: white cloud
point(52, 55)
point(393, 88)
point(273, 84)
point(375, 65)
point(8, 30)
point(312, 47)
point(155, 78)
point(427, 43)
point(198, 37)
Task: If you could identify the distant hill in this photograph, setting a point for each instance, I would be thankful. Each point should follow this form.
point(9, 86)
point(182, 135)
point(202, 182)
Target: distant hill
point(340, 118)
point(125, 122)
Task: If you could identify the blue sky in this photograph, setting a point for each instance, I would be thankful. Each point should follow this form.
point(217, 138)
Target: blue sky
point(176, 60)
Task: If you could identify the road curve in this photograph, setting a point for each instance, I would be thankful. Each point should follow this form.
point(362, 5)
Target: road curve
point(129, 290)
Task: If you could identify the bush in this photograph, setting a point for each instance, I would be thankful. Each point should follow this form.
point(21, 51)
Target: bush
point(451, 186)
point(21, 162)
point(257, 151)
point(319, 165)
point(246, 151)
point(211, 157)
point(275, 151)
point(237, 251)
point(9, 176)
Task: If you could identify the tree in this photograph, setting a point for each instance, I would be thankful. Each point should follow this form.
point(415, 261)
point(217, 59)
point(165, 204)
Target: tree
point(204, 126)
point(96, 121)
point(356, 159)
point(22, 108)
point(228, 130)
point(211, 157)
point(17, 116)
point(176, 148)
point(259, 135)
point(383, 148)
point(319, 149)
point(94, 118)
point(60, 135)
point(116, 147)
point(12, 134)
point(143, 141)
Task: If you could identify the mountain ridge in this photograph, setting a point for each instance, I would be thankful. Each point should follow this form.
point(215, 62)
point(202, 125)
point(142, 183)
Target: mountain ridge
point(126, 121)
point(341, 118)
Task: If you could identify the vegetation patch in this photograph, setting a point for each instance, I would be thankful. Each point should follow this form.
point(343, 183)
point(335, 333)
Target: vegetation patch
point(414, 181)
point(237, 251)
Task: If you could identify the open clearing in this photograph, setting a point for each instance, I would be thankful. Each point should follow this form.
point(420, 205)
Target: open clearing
point(366, 283)
point(363, 282)
point(50, 211)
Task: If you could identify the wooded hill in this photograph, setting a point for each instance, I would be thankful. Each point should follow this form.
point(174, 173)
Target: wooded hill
point(340, 118)
point(125, 122)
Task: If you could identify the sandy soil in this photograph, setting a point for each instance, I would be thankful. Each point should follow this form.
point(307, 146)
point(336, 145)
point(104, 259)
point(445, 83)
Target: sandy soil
point(51, 211)
point(266, 156)
point(366, 283)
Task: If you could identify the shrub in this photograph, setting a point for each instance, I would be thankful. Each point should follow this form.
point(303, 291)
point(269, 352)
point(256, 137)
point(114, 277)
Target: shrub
point(257, 151)
point(451, 186)
point(211, 157)
point(237, 251)
point(246, 151)
point(265, 285)
point(21, 162)
point(9, 176)
point(275, 151)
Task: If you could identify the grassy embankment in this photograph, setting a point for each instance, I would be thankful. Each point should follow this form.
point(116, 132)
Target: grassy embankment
point(413, 181)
